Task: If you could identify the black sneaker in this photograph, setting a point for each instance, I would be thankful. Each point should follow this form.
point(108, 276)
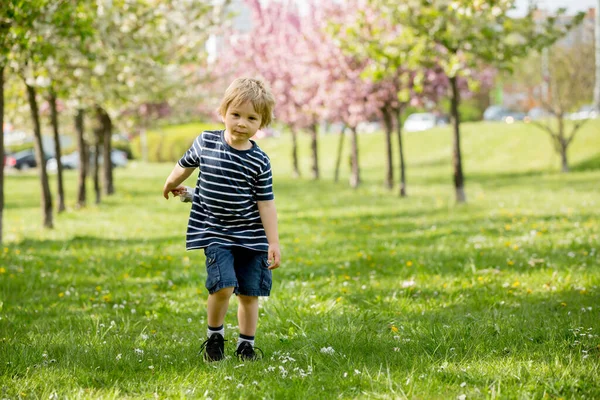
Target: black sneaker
point(214, 347)
point(246, 352)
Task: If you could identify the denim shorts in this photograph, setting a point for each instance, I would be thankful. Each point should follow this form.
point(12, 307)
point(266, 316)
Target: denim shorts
point(244, 269)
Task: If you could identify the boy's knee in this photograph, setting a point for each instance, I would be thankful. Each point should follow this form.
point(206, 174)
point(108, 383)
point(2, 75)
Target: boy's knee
point(247, 299)
point(223, 294)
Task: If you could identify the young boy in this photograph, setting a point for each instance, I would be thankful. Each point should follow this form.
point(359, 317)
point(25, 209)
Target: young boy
point(233, 216)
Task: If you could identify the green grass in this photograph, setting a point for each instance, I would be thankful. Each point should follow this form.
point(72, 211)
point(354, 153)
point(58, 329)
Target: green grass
point(377, 297)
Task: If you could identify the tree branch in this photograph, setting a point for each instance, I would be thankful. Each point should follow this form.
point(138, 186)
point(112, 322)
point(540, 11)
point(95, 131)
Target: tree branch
point(577, 126)
point(545, 128)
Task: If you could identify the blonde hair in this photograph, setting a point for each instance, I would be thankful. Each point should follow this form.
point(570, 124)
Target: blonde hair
point(256, 91)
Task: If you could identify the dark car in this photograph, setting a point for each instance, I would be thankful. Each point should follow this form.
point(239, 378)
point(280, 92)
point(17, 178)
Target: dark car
point(22, 160)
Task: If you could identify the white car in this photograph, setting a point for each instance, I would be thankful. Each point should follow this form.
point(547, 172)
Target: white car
point(585, 112)
point(71, 161)
point(420, 122)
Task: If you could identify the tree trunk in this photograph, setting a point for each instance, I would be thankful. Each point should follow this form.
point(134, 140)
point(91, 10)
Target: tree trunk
point(313, 146)
point(98, 136)
point(401, 153)
point(57, 151)
point(107, 128)
point(389, 170)
point(1, 147)
point(563, 145)
point(338, 157)
point(597, 38)
point(96, 168)
point(40, 158)
point(296, 170)
point(355, 175)
point(81, 148)
point(459, 184)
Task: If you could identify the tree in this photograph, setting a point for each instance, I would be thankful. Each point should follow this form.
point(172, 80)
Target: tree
point(466, 35)
point(570, 85)
point(387, 49)
point(16, 21)
point(597, 57)
point(283, 47)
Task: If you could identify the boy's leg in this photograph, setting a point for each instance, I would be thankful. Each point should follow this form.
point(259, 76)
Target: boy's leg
point(247, 314)
point(221, 283)
point(218, 302)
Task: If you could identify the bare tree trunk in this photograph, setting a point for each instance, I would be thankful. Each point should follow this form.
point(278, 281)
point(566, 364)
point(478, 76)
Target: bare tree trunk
point(2, 67)
point(40, 158)
point(389, 170)
point(296, 169)
point(96, 169)
point(338, 157)
point(597, 38)
point(314, 149)
point(562, 145)
point(459, 183)
point(107, 127)
point(82, 149)
point(401, 153)
point(57, 151)
point(355, 175)
point(98, 136)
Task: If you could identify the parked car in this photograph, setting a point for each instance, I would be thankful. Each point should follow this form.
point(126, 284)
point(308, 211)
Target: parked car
point(504, 114)
point(22, 160)
point(538, 113)
point(586, 112)
point(71, 161)
point(422, 121)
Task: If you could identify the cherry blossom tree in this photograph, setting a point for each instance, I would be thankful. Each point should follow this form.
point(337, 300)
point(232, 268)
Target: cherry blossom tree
point(461, 36)
point(281, 48)
point(364, 32)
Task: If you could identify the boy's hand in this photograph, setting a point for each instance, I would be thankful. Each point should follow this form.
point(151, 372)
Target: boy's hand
point(178, 190)
point(274, 256)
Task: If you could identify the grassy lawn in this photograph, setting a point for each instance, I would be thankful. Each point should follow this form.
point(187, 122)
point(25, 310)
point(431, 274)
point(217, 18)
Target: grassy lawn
point(377, 297)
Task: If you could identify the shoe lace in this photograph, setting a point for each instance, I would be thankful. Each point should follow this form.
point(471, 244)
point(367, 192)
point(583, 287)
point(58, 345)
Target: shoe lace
point(213, 344)
point(248, 352)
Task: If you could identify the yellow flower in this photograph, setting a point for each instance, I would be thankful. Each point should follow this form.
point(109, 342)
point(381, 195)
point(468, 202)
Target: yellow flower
point(516, 284)
point(2, 270)
point(409, 263)
point(563, 304)
point(98, 288)
point(507, 227)
point(516, 247)
point(338, 299)
point(511, 262)
point(394, 329)
point(61, 294)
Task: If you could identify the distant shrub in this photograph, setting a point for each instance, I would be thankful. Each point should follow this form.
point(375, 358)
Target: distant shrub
point(169, 143)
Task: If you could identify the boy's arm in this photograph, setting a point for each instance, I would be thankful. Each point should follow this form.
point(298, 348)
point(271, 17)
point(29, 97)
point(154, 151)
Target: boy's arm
point(177, 176)
point(268, 216)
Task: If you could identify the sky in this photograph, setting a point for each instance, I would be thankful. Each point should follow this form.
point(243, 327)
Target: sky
point(572, 6)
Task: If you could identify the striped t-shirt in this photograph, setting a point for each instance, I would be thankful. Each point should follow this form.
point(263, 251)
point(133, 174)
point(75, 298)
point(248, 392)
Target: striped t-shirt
point(230, 182)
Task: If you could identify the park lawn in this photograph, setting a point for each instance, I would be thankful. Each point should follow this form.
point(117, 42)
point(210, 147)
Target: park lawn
point(377, 297)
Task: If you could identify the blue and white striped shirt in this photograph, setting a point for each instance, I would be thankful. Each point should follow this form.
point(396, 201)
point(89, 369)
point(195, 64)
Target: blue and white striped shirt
point(224, 208)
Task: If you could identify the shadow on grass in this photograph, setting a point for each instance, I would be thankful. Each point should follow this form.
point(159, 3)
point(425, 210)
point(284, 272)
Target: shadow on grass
point(541, 180)
point(592, 163)
point(87, 242)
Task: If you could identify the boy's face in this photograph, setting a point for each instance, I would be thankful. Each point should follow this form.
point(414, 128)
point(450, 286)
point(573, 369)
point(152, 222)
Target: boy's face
point(241, 122)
